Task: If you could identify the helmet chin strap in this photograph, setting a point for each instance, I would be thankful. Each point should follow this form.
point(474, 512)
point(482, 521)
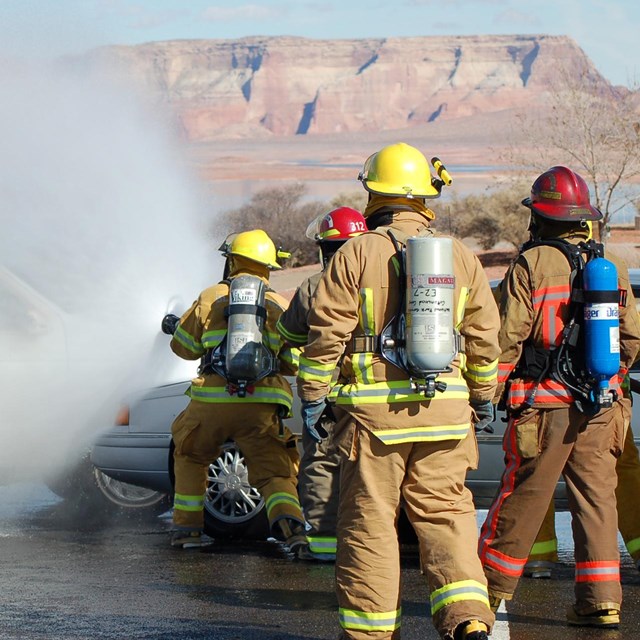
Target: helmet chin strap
point(533, 228)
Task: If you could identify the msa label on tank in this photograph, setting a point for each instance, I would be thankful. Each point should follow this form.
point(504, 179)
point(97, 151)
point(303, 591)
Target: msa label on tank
point(430, 307)
point(431, 280)
point(243, 296)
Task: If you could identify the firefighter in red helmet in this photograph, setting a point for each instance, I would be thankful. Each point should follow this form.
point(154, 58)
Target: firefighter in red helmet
point(557, 425)
point(318, 477)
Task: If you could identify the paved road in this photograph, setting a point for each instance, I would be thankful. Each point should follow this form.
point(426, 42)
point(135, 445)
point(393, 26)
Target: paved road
point(72, 575)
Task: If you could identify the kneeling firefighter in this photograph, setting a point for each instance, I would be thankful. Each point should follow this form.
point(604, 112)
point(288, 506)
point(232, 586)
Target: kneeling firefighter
point(241, 393)
point(418, 345)
point(569, 332)
point(320, 464)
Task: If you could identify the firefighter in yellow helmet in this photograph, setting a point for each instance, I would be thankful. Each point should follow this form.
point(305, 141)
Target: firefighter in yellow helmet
point(558, 423)
point(408, 440)
point(240, 393)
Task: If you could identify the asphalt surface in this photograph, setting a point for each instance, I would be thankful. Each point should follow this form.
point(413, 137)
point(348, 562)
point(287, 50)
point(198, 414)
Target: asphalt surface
point(75, 574)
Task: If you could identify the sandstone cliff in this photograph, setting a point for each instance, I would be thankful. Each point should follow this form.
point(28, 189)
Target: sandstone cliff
point(283, 86)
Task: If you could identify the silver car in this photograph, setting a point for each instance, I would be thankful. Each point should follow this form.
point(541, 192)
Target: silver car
point(138, 450)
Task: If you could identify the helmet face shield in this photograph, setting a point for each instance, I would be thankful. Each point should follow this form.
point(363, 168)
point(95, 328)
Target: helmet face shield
point(337, 225)
point(313, 228)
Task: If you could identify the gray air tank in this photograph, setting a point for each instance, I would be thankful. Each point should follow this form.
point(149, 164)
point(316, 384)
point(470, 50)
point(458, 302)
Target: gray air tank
point(431, 342)
point(246, 358)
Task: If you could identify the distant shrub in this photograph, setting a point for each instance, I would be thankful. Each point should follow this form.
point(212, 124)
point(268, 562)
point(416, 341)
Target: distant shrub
point(281, 212)
point(492, 217)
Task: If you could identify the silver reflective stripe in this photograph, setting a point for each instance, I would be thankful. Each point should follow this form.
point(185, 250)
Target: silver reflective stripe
point(510, 566)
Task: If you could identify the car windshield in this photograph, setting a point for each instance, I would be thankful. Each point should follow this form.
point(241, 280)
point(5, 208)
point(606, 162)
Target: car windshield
point(63, 289)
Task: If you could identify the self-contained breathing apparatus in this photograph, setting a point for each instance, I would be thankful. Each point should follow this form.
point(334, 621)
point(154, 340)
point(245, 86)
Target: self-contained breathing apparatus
point(421, 338)
point(242, 358)
point(589, 351)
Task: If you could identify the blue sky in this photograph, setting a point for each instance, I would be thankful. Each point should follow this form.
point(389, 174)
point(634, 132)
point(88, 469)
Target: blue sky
point(607, 30)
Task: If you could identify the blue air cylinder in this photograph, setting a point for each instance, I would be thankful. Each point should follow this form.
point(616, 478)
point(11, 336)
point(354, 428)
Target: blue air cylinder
point(601, 324)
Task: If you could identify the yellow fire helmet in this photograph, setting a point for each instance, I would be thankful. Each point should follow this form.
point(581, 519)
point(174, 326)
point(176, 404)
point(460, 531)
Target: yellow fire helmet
point(255, 245)
point(402, 170)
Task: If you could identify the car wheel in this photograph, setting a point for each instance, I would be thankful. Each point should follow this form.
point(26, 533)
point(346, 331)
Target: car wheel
point(129, 496)
point(232, 507)
point(85, 487)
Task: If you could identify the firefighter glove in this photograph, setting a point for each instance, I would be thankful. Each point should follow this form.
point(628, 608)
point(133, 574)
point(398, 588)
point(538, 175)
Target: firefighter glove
point(312, 412)
point(170, 324)
point(485, 414)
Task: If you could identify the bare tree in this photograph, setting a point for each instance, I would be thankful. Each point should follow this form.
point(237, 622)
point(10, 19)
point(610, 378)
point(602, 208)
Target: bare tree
point(491, 217)
point(284, 215)
point(592, 127)
point(354, 199)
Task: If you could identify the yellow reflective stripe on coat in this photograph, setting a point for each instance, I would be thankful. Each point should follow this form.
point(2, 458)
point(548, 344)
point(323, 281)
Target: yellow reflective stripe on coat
point(462, 303)
point(394, 391)
point(362, 365)
point(385, 621)
point(188, 341)
point(211, 339)
point(458, 592)
point(423, 434)
point(365, 312)
point(259, 394)
point(279, 498)
point(272, 340)
point(290, 336)
point(183, 502)
point(396, 265)
point(291, 355)
point(482, 372)
point(312, 370)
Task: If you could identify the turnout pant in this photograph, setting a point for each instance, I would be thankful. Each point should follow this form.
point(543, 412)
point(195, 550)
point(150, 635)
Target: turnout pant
point(318, 485)
point(268, 447)
point(545, 546)
point(540, 446)
point(427, 479)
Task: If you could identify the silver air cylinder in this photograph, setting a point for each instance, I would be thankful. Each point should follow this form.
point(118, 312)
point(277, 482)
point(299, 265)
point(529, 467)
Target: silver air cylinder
point(430, 339)
point(244, 353)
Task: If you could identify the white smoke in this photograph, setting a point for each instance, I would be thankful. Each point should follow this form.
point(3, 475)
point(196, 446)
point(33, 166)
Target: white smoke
point(102, 224)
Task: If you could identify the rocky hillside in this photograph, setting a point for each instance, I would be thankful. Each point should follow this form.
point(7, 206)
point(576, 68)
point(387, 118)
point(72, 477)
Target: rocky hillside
point(283, 86)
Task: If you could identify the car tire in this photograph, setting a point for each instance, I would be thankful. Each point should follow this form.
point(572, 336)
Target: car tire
point(86, 487)
point(232, 507)
point(129, 497)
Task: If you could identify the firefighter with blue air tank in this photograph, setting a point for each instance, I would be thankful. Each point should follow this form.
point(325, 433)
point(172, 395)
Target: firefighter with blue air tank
point(240, 394)
point(544, 553)
point(411, 317)
point(569, 332)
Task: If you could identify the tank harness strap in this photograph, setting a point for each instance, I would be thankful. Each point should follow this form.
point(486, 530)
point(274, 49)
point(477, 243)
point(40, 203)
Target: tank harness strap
point(254, 309)
point(365, 344)
point(538, 362)
point(371, 344)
